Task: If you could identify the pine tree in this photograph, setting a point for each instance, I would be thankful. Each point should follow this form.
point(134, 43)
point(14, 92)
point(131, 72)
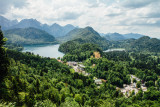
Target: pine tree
point(4, 62)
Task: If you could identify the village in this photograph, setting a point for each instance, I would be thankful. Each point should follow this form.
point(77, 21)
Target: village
point(126, 90)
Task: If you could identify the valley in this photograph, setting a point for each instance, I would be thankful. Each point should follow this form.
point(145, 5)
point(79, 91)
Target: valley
point(65, 66)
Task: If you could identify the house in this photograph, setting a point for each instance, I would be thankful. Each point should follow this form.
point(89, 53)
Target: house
point(72, 63)
point(93, 65)
point(98, 81)
point(124, 85)
point(81, 67)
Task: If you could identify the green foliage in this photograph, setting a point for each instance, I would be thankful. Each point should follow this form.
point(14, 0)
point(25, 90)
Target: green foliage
point(45, 103)
point(117, 56)
point(78, 52)
point(109, 70)
point(86, 35)
point(34, 80)
point(4, 62)
point(134, 80)
point(138, 85)
point(143, 44)
point(28, 36)
point(12, 46)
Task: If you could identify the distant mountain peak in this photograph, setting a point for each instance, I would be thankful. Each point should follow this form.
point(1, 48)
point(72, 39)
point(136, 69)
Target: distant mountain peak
point(55, 24)
point(117, 36)
point(55, 29)
point(29, 21)
point(69, 26)
point(89, 28)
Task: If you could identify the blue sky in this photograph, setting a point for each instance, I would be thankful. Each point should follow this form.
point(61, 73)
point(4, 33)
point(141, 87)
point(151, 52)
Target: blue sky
point(105, 16)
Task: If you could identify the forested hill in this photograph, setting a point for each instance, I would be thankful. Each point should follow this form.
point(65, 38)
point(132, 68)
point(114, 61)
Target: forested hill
point(143, 44)
point(86, 35)
point(27, 36)
point(146, 44)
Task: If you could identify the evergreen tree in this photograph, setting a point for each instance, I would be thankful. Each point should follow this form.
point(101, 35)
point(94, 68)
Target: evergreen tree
point(3, 64)
point(3, 58)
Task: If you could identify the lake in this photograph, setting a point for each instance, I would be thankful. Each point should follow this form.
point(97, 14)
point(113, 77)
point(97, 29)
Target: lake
point(117, 49)
point(44, 50)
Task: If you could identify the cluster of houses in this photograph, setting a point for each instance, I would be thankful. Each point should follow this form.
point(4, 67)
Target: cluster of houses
point(132, 87)
point(78, 67)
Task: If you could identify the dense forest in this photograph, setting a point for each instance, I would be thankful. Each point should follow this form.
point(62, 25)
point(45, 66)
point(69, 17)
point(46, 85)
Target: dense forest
point(143, 44)
point(78, 52)
point(30, 80)
point(28, 36)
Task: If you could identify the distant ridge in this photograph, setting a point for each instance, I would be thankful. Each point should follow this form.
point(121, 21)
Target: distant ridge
point(117, 36)
point(55, 29)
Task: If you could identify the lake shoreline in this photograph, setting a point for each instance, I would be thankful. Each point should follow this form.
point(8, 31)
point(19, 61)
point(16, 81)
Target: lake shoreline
point(44, 50)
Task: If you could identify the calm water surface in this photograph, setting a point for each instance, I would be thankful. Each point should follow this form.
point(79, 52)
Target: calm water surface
point(44, 50)
point(111, 50)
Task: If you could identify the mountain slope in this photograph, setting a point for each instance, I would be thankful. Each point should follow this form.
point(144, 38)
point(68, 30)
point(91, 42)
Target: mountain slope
point(58, 30)
point(84, 35)
point(5, 23)
point(146, 44)
point(26, 23)
point(143, 44)
point(28, 36)
point(114, 37)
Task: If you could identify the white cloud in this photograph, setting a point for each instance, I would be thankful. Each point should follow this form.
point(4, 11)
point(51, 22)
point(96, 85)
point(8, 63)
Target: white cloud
point(6, 5)
point(123, 16)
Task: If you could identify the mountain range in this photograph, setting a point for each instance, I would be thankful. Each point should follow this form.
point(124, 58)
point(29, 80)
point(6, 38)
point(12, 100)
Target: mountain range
point(5, 23)
point(117, 36)
point(55, 29)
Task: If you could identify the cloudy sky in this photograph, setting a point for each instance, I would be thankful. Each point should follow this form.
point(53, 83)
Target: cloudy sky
point(105, 16)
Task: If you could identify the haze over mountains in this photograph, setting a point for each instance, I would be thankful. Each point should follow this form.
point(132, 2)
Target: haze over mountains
point(55, 29)
point(63, 33)
point(117, 36)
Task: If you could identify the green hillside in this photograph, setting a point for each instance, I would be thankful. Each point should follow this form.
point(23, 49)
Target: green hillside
point(143, 44)
point(86, 35)
point(146, 44)
point(27, 36)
